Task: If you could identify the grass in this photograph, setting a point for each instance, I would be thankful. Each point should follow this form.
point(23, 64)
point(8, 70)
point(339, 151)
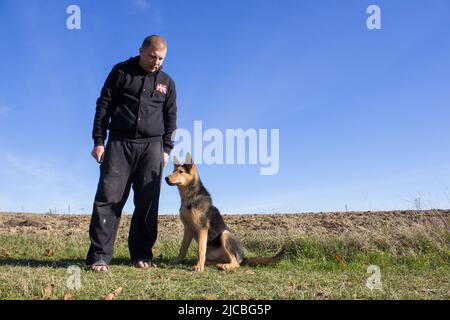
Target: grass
point(413, 257)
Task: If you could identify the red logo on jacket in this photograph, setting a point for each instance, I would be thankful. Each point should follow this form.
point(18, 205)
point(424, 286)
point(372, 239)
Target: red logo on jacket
point(161, 88)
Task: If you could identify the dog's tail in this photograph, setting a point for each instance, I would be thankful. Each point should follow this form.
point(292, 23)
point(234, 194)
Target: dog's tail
point(265, 261)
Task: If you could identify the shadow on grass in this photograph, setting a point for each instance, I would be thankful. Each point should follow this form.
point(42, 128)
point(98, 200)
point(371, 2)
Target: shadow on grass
point(64, 263)
point(34, 263)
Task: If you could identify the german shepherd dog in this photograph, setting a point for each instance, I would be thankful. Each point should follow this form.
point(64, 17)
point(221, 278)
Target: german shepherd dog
point(204, 223)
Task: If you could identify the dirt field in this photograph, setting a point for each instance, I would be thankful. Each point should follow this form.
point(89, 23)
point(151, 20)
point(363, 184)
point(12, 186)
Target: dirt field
point(333, 223)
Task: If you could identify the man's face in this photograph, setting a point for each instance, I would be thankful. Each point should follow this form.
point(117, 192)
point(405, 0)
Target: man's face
point(151, 58)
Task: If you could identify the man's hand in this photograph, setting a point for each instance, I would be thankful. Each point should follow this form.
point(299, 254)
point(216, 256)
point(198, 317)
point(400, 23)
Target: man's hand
point(98, 153)
point(166, 159)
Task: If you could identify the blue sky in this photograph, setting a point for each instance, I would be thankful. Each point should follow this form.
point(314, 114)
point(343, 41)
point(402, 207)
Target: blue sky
point(363, 115)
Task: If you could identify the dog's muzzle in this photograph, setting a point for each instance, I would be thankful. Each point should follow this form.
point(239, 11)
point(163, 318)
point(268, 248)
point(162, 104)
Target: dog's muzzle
point(168, 182)
point(171, 183)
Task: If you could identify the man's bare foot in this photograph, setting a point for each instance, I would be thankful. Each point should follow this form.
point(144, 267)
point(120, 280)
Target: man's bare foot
point(99, 268)
point(142, 264)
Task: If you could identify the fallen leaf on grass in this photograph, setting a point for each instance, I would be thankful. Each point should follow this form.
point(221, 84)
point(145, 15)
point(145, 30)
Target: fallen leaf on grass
point(161, 277)
point(293, 287)
point(250, 272)
point(212, 297)
point(114, 294)
point(109, 296)
point(118, 291)
point(6, 253)
point(47, 291)
point(322, 294)
point(67, 296)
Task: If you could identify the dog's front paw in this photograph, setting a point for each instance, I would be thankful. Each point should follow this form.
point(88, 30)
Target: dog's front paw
point(199, 267)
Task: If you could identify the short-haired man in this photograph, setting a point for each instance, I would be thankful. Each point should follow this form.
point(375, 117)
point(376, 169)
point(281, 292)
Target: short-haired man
point(138, 107)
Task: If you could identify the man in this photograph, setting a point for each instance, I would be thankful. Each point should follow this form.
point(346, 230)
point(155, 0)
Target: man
point(138, 106)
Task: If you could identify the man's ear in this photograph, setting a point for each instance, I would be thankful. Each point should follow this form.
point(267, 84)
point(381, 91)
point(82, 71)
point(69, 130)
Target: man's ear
point(189, 159)
point(176, 161)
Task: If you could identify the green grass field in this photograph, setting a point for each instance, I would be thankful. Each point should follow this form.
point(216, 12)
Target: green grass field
point(329, 255)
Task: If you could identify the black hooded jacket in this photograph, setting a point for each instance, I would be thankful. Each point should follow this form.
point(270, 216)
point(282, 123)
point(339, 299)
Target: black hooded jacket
point(136, 105)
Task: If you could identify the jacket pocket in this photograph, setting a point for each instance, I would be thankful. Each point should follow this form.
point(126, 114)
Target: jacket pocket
point(153, 120)
point(158, 97)
point(122, 120)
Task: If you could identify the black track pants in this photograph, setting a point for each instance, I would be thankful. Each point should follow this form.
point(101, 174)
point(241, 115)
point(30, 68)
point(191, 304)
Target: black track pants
point(126, 164)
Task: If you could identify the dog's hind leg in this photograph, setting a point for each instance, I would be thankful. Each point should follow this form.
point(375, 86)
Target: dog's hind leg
point(213, 255)
point(228, 256)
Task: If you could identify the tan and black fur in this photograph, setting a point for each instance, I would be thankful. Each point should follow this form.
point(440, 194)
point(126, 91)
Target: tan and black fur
point(203, 222)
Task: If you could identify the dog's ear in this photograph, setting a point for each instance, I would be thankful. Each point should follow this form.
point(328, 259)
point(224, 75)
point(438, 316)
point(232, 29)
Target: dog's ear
point(189, 159)
point(176, 161)
point(189, 163)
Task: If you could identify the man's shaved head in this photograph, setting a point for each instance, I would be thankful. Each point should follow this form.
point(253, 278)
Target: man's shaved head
point(152, 53)
point(154, 41)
